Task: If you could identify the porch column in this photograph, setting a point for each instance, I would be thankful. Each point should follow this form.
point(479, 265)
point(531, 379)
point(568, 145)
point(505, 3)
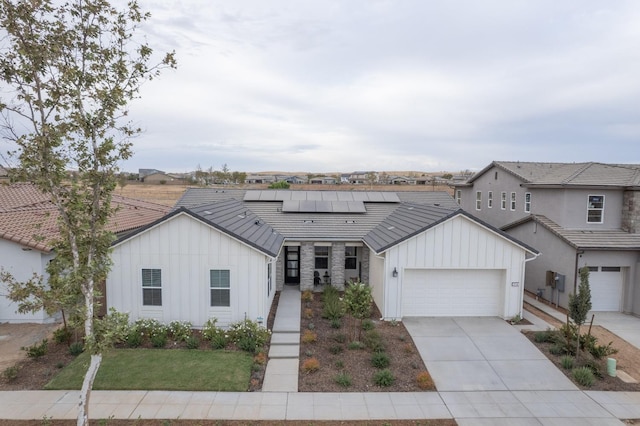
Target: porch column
point(307, 265)
point(365, 264)
point(280, 272)
point(337, 265)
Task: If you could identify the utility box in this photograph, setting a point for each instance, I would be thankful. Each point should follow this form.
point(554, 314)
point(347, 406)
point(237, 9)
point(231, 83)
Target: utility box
point(560, 279)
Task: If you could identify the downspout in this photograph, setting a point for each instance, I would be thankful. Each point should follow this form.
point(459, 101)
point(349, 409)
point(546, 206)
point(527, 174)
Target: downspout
point(575, 271)
point(524, 267)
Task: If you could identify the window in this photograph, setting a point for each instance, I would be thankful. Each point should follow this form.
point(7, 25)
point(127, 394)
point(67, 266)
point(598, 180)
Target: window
point(322, 257)
point(350, 257)
point(527, 202)
point(458, 196)
point(151, 287)
point(513, 201)
point(610, 269)
point(220, 287)
point(269, 269)
point(595, 208)
point(490, 199)
point(593, 269)
point(478, 200)
point(503, 200)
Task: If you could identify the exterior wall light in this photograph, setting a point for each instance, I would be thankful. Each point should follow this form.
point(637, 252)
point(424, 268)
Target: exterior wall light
point(395, 272)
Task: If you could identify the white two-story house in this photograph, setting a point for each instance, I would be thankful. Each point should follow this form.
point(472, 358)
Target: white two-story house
point(575, 214)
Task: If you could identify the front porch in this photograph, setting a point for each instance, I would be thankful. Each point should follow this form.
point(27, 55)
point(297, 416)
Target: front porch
point(314, 265)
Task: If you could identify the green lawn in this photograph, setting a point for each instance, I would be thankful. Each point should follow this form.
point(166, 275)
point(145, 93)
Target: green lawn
point(158, 369)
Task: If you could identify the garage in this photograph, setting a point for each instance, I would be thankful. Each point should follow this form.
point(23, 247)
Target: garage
point(453, 292)
point(606, 288)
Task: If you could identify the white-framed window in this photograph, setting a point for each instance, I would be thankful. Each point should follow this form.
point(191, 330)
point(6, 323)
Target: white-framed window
point(478, 200)
point(595, 209)
point(527, 202)
point(458, 196)
point(151, 287)
point(220, 287)
point(490, 199)
point(322, 257)
point(351, 257)
point(513, 201)
point(503, 200)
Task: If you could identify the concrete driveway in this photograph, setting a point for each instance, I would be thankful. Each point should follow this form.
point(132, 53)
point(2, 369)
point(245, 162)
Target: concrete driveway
point(488, 354)
point(624, 326)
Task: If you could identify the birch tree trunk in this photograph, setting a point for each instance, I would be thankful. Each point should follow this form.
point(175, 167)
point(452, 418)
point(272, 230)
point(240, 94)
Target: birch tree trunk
point(85, 392)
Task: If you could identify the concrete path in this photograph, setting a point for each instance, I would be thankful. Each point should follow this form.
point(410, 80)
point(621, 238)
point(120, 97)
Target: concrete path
point(482, 354)
point(281, 374)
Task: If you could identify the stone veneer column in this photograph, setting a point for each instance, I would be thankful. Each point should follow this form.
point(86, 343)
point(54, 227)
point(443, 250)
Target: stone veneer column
point(280, 271)
point(365, 264)
point(631, 212)
point(337, 265)
point(307, 264)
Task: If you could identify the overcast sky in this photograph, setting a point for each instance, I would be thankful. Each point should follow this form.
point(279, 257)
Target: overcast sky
point(343, 85)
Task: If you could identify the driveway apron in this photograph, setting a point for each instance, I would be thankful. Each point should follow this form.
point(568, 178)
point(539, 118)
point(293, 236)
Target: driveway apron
point(482, 354)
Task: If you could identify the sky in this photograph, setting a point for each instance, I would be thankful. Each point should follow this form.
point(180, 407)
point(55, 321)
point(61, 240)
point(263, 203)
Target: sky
point(344, 85)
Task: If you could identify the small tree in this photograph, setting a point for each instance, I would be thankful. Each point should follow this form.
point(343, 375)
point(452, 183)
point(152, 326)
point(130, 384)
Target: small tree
point(580, 304)
point(358, 301)
point(282, 184)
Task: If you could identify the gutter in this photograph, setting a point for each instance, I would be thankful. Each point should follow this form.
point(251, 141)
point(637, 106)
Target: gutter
point(524, 267)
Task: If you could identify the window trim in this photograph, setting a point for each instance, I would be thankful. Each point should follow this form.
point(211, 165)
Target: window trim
point(478, 200)
point(489, 199)
point(513, 201)
point(226, 288)
point(458, 196)
point(150, 287)
point(590, 209)
point(527, 202)
point(503, 200)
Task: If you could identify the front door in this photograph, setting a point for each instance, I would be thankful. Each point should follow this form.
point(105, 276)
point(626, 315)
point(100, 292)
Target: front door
point(292, 265)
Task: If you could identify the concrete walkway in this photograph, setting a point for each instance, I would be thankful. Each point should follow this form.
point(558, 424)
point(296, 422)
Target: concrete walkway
point(281, 374)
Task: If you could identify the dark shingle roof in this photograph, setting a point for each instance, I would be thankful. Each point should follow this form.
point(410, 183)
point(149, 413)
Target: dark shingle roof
point(607, 239)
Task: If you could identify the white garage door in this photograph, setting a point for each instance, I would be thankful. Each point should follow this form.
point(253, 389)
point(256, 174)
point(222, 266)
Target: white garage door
point(440, 292)
point(606, 288)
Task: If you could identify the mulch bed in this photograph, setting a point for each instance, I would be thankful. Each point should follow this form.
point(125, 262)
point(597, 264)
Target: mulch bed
point(405, 363)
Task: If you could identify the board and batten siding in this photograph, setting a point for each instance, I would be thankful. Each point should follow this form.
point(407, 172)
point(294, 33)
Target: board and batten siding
point(186, 249)
point(458, 243)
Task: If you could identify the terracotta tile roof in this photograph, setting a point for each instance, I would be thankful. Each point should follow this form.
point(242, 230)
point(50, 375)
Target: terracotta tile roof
point(28, 218)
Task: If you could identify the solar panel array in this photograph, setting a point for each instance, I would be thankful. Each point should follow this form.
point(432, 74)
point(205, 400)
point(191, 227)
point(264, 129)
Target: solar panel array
point(311, 206)
point(344, 196)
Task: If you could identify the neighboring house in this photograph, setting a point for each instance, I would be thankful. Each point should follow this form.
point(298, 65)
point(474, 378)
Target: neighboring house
point(576, 214)
point(142, 173)
point(424, 180)
point(260, 179)
point(361, 178)
point(27, 227)
point(4, 174)
point(294, 180)
point(224, 254)
point(163, 178)
point(323, 180)
point(401, 180)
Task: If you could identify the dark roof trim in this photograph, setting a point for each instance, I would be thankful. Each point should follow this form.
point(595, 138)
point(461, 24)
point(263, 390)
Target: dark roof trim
point(201, 219)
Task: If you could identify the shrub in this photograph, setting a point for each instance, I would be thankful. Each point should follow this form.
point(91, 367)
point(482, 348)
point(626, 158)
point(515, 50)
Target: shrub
point(356, 345)
point(249, 336)
point(219, 341)
point(340, 338)
point(37, 350)
point(339, 364)
point(209, 330)
point(159, 340)
point(343, 379)
point(584, 376)
point(309, 336)
point(148, 326)
point(601, 351)
point(367, 324)
point(308, 313)
point(180, 330)
point(192, 342)
point(260, 358)
point(336, 323)
point(373, 340)
point(311, 326)
point(311, 365)
point(134, 338)
point(380, 360)
point(567, 362)
point(557, 349)
point(330, 292)
point(336, 349)
point(407, 348)
point(10, 373)
point(595, 366)
point(383, 378)
point(332, 308)
point(76, 348)
point(543, 336)
point(62, 335)
point(424, 380)
point(307, 296)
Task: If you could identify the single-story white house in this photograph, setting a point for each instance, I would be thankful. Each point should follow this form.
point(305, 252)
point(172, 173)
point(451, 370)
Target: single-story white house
point(224, 254)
